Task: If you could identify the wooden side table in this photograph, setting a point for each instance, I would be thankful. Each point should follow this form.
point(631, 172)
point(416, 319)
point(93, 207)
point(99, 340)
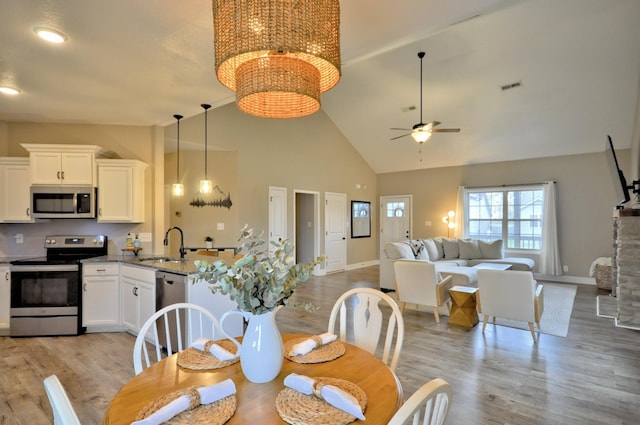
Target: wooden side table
point(463, 309)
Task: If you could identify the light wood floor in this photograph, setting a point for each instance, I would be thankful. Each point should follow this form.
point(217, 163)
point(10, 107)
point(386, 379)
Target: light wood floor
point(590, 377)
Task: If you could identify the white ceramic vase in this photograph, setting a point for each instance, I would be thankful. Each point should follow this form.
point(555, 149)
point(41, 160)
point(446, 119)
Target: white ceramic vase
point(261, 351)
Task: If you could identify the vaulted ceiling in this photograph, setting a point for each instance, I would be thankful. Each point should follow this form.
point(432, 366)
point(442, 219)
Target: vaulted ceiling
point(576, 65)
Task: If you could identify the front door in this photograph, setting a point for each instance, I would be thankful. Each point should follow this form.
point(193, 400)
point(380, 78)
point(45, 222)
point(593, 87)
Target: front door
point(395, 220)
point(335, 239)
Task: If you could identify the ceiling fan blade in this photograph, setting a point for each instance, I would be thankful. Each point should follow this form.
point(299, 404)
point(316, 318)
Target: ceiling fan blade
point(445, 130)
point(433, 123)
point(398, 137)
point(403, 129)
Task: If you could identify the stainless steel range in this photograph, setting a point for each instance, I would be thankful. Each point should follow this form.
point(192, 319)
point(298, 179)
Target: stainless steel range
point(46, 297)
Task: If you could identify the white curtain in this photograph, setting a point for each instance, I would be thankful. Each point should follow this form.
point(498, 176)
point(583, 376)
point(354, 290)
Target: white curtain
point(550, 253)
point(460, 210)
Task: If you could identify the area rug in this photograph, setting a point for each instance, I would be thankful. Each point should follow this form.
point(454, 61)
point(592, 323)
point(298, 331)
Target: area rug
point(606, 306)
point(558, 305)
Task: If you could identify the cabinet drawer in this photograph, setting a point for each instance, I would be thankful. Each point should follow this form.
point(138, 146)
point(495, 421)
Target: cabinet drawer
point(100, 269)
point(143, 274)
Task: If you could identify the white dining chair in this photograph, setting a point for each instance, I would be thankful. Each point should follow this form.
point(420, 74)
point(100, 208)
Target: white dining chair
point(417, 283)
point(63, 413)
point(366, 320)
point(187, 322)
point(427, 406)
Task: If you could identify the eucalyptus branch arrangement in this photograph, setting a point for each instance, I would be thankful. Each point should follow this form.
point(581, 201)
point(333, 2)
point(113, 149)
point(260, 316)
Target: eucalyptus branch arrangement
point(262, 279)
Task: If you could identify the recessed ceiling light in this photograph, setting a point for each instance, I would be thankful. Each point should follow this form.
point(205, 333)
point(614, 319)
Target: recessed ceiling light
point(50, 35)
point(9, 90)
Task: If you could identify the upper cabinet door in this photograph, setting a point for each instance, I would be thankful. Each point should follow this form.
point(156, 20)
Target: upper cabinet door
point(120, 191)
point(77, 168)
point(15, 202)
point(45, 168)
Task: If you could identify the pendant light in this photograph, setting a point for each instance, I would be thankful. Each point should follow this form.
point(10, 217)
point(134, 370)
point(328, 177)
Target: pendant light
point(205, 185)
point(178, 188)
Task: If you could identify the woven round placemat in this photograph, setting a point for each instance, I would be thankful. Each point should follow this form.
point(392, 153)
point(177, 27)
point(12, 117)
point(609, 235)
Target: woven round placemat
point(194, 359)
point(216, 413)
point(323, 353)
point(296, 408)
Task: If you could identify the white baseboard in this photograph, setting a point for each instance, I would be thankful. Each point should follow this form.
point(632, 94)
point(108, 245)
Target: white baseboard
point(566, 279)
point(362, 265)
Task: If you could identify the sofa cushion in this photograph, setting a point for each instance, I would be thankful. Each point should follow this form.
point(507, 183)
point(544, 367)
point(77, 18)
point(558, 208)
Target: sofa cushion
point(469, 249)
point(431, 249)
point(395, 250)
point(439, 247)
point(491, 249)
point(451, 249)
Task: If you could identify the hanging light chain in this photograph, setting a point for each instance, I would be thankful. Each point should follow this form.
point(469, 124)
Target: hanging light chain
point(206, 121)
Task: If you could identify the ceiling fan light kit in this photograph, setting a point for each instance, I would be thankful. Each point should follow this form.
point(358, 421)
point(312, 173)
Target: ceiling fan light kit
point(277, 56)
point(422, 132)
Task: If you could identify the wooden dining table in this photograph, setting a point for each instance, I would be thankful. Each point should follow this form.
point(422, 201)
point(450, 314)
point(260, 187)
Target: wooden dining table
point(256, 402)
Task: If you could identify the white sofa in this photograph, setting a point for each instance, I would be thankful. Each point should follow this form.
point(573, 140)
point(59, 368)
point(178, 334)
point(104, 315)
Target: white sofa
point(452, 257)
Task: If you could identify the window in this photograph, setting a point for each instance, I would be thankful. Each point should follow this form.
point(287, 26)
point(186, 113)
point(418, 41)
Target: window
point(513, 215)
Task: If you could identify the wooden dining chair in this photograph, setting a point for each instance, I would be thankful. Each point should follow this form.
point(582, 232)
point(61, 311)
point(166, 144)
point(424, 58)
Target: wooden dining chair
point(187, 322)
point(364, 326)
point(427, 406)
point(63, 413)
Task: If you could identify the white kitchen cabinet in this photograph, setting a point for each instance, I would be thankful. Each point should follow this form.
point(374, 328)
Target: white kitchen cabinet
point(138, 296)
point(120, 190)
point(15, 199)
point(71, 165)
point(101, 297)
point(5, 297)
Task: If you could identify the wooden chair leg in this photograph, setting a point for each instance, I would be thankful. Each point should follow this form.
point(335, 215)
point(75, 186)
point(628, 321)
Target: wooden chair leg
point(484, 322)
point(402, 304)
point(436, 314)
point(533, 332)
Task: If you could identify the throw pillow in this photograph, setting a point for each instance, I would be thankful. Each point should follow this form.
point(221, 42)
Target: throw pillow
point(423, 254)
point(451, 249)
point(432, 249)
point(397, 250)
point(469, 249)
point(438, 242)
point(491, 250)
point(415, 245)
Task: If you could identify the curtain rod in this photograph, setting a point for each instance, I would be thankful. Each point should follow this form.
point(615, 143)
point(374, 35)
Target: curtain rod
point(507, 185)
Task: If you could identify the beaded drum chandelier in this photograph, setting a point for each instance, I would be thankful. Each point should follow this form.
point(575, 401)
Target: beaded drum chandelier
point(277, 55)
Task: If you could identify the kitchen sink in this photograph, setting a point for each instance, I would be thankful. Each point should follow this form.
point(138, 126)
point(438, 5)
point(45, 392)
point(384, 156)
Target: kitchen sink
point(160, 260)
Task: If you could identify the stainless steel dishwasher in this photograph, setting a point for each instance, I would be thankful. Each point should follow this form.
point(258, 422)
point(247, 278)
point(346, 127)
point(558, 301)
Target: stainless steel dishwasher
point(170, 289)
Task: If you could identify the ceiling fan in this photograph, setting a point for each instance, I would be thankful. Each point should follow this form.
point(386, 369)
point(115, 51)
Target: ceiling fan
point(421, 132)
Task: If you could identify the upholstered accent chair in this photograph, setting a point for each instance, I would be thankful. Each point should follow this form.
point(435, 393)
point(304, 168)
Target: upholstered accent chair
point(417, 282)
point(510, 294)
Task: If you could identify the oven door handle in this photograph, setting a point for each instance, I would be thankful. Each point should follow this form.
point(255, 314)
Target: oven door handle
point(45, 268)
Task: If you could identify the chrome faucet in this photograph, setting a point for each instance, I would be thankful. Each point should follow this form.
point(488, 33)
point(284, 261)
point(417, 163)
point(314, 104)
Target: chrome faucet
point(183, 251)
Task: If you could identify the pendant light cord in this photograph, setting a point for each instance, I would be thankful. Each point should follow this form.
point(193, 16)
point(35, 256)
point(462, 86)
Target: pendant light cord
point(421, 55)
point(206, 108)
point(178, 118)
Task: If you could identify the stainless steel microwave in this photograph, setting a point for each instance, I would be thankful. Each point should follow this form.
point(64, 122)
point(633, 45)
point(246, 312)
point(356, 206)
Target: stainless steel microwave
point(63, 201)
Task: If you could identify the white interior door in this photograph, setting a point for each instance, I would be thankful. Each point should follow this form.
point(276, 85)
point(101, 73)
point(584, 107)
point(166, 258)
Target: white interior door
point(335, 239)
point(395, 219)
point(277, 213)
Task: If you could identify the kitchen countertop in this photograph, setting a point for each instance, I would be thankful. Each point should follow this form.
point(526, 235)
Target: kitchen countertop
point(181, 267)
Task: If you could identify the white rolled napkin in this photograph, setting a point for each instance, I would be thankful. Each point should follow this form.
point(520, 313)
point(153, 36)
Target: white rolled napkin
point(218, 352)
point(309, 344)
point(331, 394)
point(208, 395)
